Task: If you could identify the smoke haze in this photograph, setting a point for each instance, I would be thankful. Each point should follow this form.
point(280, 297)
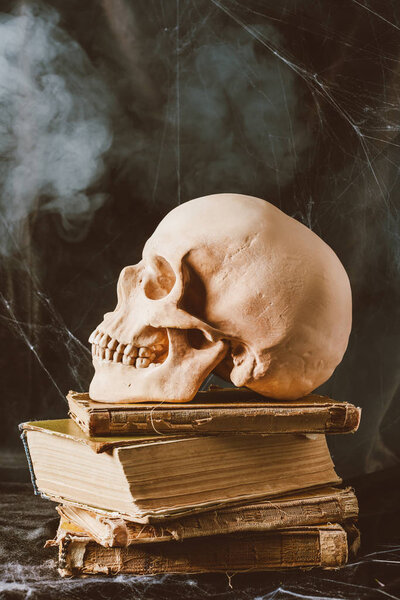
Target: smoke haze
point(54, 122)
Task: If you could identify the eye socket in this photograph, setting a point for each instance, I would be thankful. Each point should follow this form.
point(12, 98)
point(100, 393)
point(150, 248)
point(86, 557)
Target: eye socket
point(160, 279)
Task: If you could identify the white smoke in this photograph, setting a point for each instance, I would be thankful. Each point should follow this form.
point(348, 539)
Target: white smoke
point(54, 122)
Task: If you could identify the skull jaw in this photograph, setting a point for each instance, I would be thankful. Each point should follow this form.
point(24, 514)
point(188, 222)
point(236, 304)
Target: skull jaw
point(177, 379)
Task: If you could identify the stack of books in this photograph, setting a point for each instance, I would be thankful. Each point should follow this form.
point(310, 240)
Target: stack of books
point(229, 482)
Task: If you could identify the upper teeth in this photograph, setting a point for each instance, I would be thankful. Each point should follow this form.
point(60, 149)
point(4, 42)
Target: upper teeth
point(109, 349)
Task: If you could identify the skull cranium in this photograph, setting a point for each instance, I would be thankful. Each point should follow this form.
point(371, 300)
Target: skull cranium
point(227, 283)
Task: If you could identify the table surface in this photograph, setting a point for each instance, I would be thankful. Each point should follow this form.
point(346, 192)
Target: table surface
point(27, 570)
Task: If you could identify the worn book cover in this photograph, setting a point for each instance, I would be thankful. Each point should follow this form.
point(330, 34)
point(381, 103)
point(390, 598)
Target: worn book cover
point(326, 546)
point(319, 506)
point(215, 412)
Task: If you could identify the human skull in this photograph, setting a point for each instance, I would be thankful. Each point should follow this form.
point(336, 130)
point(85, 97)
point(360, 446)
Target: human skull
point(227, 283)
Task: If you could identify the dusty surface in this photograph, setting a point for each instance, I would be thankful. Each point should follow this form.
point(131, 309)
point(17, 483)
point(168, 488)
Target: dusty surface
point(27, 570)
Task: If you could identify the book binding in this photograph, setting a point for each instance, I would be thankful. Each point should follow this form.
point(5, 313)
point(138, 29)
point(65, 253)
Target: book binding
point(203, 416)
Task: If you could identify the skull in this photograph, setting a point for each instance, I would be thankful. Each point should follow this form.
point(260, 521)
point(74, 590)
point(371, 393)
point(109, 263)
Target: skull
point(227, 283)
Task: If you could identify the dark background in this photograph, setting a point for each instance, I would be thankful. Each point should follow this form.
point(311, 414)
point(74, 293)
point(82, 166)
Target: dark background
point(112, 112)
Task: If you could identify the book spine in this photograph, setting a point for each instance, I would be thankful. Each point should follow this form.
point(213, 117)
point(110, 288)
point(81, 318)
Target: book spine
point(333, 548)
point(334, 508)
point(343, 419)
point(36, 490)
point(323, 419)
point(302, 548)
point(93, 423)
point(268, 517)
point(338, 507)
point(29, 460)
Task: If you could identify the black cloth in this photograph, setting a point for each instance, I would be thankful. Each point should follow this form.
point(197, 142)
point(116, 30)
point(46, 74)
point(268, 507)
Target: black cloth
point(27, 570)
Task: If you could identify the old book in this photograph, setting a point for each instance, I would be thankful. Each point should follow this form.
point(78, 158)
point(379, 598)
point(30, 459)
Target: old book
point(323, 505)
point(216, 412)
point(154, 476)
point(325, 546)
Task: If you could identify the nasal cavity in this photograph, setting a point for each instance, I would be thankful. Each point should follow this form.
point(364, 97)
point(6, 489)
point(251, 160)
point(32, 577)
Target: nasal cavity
point(159, 279)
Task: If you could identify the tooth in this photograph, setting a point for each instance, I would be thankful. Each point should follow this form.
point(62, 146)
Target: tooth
point(131, 361)
point(109, 354)
point(104, 340)
point(101, 352)
point(147, 353)
point(92, 336)
point(94, 350)
point(97, 337)
point(126, 359)
point(152, 365)
point(117, 357)
point(112, 344)
point(144, 351)
point(120, 348)
point(141, 363)
point(131, 350)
